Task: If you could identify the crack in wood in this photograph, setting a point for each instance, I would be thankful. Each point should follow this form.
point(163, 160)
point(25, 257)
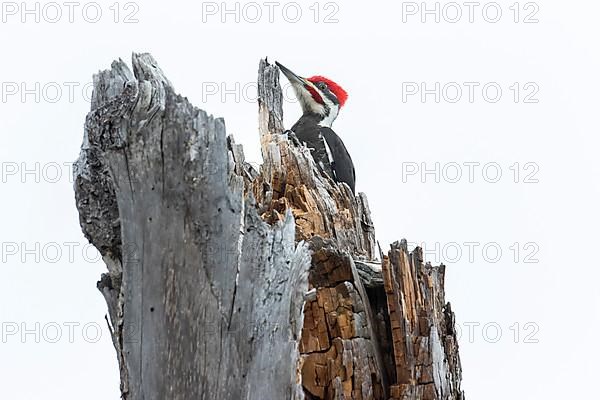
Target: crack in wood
point(228, 254)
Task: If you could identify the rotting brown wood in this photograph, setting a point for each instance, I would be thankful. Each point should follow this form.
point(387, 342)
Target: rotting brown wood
point(228, 282)
point(424, 340)
point(339, 347)
point(289, 179)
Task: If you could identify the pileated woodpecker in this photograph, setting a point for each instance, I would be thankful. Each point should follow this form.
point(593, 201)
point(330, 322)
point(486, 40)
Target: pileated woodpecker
point(321, 100)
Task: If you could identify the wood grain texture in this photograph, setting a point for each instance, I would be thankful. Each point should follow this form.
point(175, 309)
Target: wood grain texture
point(230, 282)
point(290, 179)
point(203, 303)
point(424, 340)
point(340, 350)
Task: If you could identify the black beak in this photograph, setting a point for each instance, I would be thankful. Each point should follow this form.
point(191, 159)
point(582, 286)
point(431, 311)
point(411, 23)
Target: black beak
point(292, 77)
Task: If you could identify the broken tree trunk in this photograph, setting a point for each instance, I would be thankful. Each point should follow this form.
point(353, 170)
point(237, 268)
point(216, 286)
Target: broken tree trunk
point(225, 282)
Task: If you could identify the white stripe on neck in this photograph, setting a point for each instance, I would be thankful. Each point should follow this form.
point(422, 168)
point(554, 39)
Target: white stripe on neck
point(334, 109)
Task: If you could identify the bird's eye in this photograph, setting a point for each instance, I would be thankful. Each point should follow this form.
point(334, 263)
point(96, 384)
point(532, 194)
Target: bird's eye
point(322, 85)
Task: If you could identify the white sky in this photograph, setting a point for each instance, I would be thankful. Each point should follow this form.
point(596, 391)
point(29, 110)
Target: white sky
point(379, 59)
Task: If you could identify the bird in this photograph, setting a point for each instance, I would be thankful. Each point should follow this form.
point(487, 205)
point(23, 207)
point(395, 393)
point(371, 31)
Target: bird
point(321, 100)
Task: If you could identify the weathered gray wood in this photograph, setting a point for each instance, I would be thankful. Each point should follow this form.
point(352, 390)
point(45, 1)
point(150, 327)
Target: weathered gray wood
point(208, 270)
point(206, 305)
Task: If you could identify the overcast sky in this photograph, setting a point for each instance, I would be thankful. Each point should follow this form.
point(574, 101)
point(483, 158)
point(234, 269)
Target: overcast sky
point(475, 136)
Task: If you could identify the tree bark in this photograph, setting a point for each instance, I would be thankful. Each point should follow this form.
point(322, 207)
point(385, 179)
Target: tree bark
point(225, 282)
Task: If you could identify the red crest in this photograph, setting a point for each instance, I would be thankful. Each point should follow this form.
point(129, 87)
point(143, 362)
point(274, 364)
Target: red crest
point(336, 89)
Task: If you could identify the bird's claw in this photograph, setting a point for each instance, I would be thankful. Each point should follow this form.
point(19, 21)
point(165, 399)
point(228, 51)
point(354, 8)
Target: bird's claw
point(292, 138)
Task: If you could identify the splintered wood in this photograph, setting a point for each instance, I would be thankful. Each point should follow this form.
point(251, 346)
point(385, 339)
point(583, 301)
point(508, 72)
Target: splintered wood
point(338, 347)
point(347, 327)
point(426, 358)
point(227, 282)
point(344, 334)
point(290, 179)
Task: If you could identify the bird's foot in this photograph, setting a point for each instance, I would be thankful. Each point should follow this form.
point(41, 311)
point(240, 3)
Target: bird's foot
point(291, 136)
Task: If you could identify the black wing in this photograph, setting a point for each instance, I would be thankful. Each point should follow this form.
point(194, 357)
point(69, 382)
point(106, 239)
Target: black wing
point(308, 131)
point(342, 165)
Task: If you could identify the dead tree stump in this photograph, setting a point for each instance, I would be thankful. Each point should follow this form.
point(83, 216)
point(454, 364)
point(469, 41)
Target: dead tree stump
point(225, 282)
